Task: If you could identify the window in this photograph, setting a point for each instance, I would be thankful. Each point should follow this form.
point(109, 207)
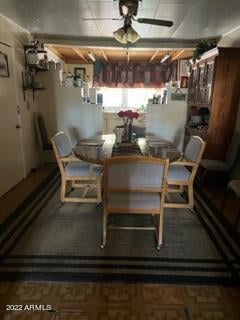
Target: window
point(128, 98)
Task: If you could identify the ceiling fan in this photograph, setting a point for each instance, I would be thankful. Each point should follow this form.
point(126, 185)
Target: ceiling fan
point(128, 10)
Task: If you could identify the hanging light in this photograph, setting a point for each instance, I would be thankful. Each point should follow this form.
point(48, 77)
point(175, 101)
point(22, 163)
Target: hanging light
point(165, 57)
point(91, 56)
point(125, 35)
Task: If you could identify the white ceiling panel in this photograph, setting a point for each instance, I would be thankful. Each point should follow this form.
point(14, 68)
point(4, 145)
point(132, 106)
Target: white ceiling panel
point(209, 19)
point(188, 2)
point(103, 9)
point(192, 18)
point(175, 13)
point(149, 4)
point(84, 28)
point(67, 3)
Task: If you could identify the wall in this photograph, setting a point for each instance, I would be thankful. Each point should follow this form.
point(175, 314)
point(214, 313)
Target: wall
point(15, 36)
point(168, 121)
point(62, 109)
point(89, 71)
point(231, 39)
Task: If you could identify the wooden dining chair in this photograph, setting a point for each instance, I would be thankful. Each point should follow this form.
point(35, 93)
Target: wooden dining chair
point(46, 148)
point(76, 173)
point(135, 185)
point(182, 173)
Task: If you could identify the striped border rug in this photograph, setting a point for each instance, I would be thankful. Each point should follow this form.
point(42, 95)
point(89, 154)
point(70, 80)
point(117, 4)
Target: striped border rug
point(154, 269)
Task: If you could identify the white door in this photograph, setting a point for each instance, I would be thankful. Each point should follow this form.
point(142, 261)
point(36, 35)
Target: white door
point(11, 163)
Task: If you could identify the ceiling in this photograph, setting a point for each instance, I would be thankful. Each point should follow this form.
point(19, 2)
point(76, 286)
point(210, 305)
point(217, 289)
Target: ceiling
point(77, 55)
point(59, 19)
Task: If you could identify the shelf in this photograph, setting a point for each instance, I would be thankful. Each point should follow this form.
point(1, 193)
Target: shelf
point(34, 88)
point(30, 46)
point(37, 67)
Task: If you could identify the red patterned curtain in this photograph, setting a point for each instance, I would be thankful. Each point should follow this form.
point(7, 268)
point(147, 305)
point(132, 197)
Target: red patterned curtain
point(131, 75)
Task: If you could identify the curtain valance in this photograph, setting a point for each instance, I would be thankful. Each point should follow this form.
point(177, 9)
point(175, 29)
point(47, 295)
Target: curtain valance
point(120, 75)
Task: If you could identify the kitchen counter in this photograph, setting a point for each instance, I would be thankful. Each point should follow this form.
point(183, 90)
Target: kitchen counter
point(111, 120)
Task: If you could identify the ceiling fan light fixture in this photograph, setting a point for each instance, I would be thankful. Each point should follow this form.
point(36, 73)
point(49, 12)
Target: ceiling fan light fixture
point(124, 10)
point(120, 35)
point(124, 36)
point(132, 35)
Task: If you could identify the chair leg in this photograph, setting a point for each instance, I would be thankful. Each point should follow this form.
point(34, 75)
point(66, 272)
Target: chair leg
point(190, 196)
point(99, 191)
point(160, 229)
point(63, 190)
point(104, 239)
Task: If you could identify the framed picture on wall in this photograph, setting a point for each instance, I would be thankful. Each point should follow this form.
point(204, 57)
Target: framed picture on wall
point(184, 82)
point(80, 72)
point(4, 71)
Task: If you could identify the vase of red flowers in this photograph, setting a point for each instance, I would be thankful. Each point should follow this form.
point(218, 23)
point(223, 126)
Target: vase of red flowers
point(128, 116)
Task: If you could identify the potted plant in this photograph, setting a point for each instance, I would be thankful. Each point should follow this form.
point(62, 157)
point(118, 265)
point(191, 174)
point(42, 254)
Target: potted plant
point(202, 47)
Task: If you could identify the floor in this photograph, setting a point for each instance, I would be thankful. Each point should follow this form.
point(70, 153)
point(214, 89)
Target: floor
point(12, 199)
point(108, 301)
point(216, 192)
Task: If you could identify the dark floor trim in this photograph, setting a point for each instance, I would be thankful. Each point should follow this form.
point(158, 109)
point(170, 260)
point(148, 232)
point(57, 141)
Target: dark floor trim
point(117, 266)
point(224, 222)
point(20, 209)
point(16, 240)
point(129, 278)
point(217, 245)
point(114, 258)
point(232, 279)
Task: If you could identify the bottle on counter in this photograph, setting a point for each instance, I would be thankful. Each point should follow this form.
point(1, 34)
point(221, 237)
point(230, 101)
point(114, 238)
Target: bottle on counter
point(155, 99)
point(69, 80)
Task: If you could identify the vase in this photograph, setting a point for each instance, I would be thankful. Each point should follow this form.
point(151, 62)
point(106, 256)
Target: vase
point(125, 133)
point(129, 133)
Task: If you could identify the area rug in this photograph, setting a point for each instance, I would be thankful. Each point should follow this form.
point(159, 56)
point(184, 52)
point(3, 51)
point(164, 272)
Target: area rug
point(50, 241)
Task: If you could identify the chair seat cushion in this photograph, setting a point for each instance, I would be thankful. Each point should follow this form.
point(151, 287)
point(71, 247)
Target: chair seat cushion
point(80, 169)
point(234, 185)
point(214, 165)
point(178, 173)
point(134, 200)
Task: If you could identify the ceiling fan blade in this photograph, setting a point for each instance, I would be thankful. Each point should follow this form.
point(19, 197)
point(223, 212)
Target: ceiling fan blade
point(88, 19)
point(155, 22)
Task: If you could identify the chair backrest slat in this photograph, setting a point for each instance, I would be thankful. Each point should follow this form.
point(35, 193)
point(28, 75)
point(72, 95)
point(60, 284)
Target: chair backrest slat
point(194, 149)
point(63, 144)
point(41, 129)
point(129, 173)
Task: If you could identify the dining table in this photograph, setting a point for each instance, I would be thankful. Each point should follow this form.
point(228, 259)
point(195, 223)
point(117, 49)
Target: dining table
point(99, 148)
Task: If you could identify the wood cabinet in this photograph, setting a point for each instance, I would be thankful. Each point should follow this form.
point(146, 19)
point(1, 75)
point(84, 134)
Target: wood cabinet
point(214, 86)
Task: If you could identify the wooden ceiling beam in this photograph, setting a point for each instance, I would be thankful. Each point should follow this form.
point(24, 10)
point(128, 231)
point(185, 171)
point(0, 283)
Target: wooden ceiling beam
point(178, 54)
point(154, 55)
point(75, 61)
point(56, 52)
point(79, 53)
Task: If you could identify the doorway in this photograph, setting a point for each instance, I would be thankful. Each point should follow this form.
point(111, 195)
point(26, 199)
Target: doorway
point(11, 161)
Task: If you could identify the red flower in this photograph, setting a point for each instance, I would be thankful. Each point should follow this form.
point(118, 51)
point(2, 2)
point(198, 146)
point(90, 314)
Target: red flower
point(121, 114)
point(128, 114)
point(136, 115)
